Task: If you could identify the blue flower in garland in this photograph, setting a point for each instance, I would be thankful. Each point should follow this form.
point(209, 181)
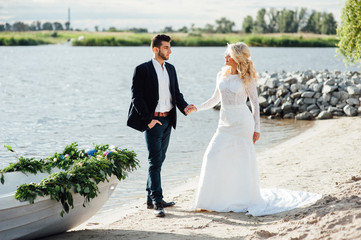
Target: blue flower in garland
point(91, 152)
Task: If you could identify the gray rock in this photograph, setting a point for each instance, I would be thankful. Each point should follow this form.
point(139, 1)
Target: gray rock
point(326, 97)
point(277, 102)
point(324, 115)
point(358, 86)
point(296, 87)
point(321, 106)
point(317, 95)
point(317, 87)
point(342, 86)
point(262, 88)
point(353, 101)
point(272, 99)
point(309, 100)
point(336, 94)
point(348, 83)
point(334, 109)
point(307, 94)
point(263, 101)
point(343, 95)
point(328, 89)
point(356, 80)
point(274, 75)
point(300, 101)
point(295, 106)
point(307, 75)
point(262, 80)
point(304, 116)
point(311, 82)
point(293, 88)
point(271, 91)
point(352, 90)
point(286, 107)
point(289, 116)
point(333, 101)
point(264, 94)
point(311, 107)
point(350, 111)
point(275, 110)
point(338, 113)
point(290, 80)
point(303, 108)
point(267, 110)
point(315, 112)
point(296, 95)
point(288, 96)
point(330, 82)
point(284, 86)
point(359, 110)
point(272, 82)
point(281, 92)
point(341, 105)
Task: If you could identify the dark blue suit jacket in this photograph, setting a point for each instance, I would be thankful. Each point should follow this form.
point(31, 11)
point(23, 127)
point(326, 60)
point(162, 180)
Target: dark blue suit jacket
point(145, 96)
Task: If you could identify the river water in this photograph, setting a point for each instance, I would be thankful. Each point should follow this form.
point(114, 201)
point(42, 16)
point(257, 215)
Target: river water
point(51, 96)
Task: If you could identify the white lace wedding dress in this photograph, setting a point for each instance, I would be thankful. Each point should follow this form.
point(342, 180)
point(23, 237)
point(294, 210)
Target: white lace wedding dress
point(229, 175)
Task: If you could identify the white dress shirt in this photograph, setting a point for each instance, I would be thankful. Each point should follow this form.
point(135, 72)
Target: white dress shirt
point(165, 98)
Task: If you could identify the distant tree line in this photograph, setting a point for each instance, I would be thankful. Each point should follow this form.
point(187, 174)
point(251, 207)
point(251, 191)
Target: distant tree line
point(290, 21)
point(271, 21)
point(35, 26)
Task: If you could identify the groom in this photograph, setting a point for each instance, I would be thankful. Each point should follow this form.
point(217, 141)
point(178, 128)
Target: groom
point(155, 96)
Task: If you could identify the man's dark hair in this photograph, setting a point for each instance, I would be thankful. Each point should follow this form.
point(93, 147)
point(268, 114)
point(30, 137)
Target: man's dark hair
point(157, 40)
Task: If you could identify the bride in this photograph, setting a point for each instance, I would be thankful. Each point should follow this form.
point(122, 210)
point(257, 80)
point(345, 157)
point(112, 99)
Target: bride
point(229, 176)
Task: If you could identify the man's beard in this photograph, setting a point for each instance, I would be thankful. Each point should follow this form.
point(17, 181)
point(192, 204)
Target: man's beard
point(164, 57)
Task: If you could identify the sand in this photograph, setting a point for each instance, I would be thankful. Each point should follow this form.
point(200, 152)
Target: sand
point(325, 159)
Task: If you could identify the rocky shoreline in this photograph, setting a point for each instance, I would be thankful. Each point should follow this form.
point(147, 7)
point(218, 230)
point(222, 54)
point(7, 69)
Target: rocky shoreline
point(308, 95)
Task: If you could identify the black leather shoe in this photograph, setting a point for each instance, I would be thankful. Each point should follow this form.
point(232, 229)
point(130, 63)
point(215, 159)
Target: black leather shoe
point(164, 203)
point(158, 210)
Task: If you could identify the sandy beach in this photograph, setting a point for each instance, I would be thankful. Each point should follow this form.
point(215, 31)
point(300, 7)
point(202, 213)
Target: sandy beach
point(324, 159)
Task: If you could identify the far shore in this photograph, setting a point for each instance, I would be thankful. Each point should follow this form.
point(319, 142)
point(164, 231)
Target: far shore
point(179, 39)
point(324, 159)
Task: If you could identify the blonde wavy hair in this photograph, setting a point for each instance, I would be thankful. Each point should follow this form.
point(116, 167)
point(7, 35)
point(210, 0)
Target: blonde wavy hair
point(242, 56)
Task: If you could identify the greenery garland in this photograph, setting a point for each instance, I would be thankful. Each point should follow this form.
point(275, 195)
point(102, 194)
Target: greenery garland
point(82, 172)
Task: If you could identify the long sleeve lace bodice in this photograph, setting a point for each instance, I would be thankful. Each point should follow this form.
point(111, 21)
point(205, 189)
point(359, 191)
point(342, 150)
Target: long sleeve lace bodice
point(231, 90)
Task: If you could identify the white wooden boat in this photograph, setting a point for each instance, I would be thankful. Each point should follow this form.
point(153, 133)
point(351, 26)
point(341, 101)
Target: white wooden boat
point(22, 220)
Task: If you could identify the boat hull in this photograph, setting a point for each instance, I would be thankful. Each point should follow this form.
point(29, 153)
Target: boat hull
point(22, 220)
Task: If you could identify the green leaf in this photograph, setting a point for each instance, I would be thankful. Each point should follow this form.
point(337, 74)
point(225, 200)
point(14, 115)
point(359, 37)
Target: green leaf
point(70, 199)
point(66, 207)
point(9, 148)
point(86, 190)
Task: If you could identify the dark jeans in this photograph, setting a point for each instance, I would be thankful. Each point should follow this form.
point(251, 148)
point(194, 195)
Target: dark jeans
point(157, 140)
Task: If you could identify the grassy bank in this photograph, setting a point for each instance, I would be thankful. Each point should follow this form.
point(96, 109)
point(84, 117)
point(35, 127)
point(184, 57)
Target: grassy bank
point(179, 39)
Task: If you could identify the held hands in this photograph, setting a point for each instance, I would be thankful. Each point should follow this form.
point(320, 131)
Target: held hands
point(153, 122)
point(256, 136)
point(190, 108)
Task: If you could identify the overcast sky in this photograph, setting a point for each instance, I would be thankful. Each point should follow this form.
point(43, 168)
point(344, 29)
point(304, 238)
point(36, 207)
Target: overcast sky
point(151, 14)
